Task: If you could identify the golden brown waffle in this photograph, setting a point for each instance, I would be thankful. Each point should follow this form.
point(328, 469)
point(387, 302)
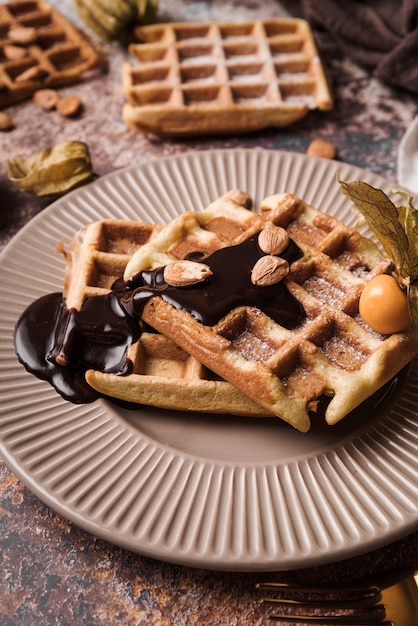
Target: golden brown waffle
point(97, 257)
point(331, 351)
point(196, 78)
point(163, 374)
point(39, 48)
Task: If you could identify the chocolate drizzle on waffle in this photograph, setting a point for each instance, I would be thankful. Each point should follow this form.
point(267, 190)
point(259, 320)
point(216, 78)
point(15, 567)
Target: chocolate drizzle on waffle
point(228, 288)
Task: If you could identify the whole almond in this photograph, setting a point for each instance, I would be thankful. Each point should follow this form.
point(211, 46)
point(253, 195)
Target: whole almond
point(273, 239)
point(46, 98)
point(321, 148)
point(186, 273)
point(69, 106)
point(269, 270)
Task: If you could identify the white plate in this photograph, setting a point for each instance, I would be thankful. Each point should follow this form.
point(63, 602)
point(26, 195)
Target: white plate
point(408, 158)
point(209, 491)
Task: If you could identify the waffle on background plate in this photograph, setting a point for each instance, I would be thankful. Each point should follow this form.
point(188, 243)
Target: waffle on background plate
point(164, 375)
point(39, 48)
point(329, 351)
point(196, 78)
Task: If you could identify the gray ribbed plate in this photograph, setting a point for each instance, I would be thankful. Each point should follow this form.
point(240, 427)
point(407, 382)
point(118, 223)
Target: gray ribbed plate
point(210, 491)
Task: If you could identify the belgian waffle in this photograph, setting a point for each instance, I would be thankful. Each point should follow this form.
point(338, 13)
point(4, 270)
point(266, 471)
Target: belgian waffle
point(330, 351)
point(163, 374)
point(196, 78)
point(39, 48)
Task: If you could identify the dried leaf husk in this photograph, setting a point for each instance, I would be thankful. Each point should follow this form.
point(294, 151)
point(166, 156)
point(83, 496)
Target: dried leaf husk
point(116, 19)
point(396, 227)
point(53, 171)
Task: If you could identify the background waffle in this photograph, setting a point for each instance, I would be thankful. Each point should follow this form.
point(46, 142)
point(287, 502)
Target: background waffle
point(330, 352)
point(163, 374)
point(191, 78)
point(39, 48)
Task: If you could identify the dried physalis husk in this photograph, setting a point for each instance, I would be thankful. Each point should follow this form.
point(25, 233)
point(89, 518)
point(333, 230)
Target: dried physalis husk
point(396, 227)
point(115, 19)
point(186, 273)
point(54, 171)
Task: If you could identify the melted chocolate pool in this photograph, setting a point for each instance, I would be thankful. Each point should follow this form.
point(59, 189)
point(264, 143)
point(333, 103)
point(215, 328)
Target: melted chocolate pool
point(58, 345)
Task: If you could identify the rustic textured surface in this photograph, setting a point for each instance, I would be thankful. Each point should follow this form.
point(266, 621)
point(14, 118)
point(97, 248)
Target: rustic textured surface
point(51, 572)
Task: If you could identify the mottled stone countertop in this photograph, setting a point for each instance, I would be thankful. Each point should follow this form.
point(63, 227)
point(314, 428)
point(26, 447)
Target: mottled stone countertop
point(51, 571)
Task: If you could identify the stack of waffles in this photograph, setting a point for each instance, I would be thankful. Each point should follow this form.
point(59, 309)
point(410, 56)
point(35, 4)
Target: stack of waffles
point(245, 362)
point(163, 375)
point(190, 78)
point(40, 48)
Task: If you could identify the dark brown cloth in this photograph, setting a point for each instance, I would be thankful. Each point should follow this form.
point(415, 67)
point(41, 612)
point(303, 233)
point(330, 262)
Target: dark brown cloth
point(379, 34)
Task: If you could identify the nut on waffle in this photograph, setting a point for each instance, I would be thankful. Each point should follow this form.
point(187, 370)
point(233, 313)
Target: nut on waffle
point(198, 78)
point(163, 374)
point(329, 351)
point(39, 48)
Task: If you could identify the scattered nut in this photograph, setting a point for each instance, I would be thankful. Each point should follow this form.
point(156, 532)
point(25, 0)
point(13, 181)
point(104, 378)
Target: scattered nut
point(23, 34)
point(14, 53)
point(273, 239)
point(46, 98)
point(269, 270)
point(32, 73)
point(6, 122)
point(240, 197)
point(186, 273)
point(321, 148)
point(69, 106)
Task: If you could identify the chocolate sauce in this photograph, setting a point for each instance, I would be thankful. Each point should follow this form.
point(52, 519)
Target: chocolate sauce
point(58, 345)
point(229, 287)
